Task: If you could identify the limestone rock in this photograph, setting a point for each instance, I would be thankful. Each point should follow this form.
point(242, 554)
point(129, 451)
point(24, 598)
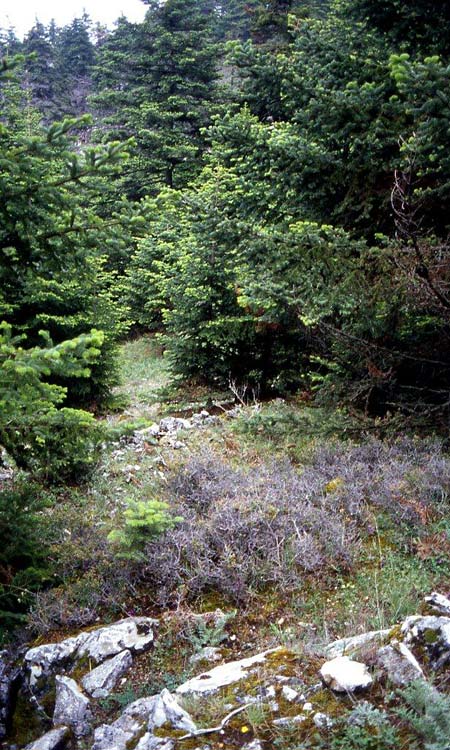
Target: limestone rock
point(255, 745)
point(54, 740)
point(42, 659)
point(165, 710)
point(345, 675)
point(322, 721)
point(430, 629)
point(101, 680)
point(287, 721)
point(439, 603)
point(400, 665)
point(289, 694)
point(208, 653)
point(148, 432)
point(128, 727)
point(133, 633)
point(432, 633)
point(150, 742)
point(71, 707)
point(173, 424)
point(351, 646)
point(225, 674)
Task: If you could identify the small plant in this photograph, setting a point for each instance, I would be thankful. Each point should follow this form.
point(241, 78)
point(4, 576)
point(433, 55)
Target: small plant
point(367, 728)
point(202, 634)
point(144, 521)
point(428, 713)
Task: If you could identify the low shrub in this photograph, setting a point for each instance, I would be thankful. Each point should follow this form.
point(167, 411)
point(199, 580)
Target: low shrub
point(247, 531)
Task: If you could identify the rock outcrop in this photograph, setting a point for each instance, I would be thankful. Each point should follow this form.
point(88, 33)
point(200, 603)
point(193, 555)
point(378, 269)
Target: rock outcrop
point(278, 682)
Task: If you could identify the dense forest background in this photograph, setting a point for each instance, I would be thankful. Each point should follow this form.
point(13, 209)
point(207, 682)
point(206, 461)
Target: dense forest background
point(265, 184)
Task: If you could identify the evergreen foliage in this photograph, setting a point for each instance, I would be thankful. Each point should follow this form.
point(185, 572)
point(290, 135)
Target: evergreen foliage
point(145, 520)
point(156, 82)
point(23, 552)
point(60, 311)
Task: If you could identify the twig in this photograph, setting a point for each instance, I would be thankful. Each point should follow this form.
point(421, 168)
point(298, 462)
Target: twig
point(212, 730)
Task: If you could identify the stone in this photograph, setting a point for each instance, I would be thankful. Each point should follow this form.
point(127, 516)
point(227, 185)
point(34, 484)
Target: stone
point(431, 633)
point(72, 708)
point(208, 653)
point(345, 675)
point(56, 739)
point(132, 633)
point(165, 710)
point(173, 424)
point(101, 680)
point(225, 674)
point(287, 721)
point(322, 721)
point(42, 659)
point(128, 727)
point(289, 694)
point(399, 664)
point(148, 432)
point(351, 646)
point(255, 745)
point(439, 603)
point(150, 742)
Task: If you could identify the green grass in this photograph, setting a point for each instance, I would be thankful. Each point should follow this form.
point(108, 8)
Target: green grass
point(144, 371)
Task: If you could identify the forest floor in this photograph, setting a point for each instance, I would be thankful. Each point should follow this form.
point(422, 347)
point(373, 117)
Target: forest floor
point(373, 540)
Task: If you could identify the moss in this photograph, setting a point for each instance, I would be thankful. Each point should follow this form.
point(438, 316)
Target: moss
point(27, 724)
point(430, 636)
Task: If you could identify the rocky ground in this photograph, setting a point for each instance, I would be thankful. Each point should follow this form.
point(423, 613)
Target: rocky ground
point(249, 701)
point(286, 610)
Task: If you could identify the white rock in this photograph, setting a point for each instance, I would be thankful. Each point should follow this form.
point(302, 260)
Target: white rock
point(350, 646)
point(255, 745)
point(322, 721)
point(308, 707)
point(400, 665)
point(345, 675)
point(43, 658)
point(133, 633)
point(173, 424)
point(150, 742)
point(286, 721)
point(101, 680)
point(71, 707)
point(151, 431)
point(165, 710)
point(208, 653)
point(53, 740)
point(121, 733)
point(289, 694)
point(417, 628)
point(439, 602)
point(225, 674)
